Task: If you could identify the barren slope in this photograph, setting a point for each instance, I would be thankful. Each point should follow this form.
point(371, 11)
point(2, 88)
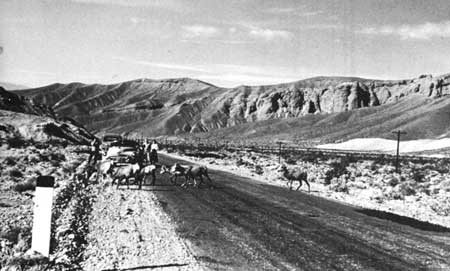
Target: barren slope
point(23, 119)
point(175, 106)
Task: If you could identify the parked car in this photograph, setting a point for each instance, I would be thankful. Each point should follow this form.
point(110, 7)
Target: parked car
point(108, 140)
point(123, 151)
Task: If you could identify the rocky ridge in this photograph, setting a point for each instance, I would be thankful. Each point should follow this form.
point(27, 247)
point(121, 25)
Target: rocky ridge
point(184, 105)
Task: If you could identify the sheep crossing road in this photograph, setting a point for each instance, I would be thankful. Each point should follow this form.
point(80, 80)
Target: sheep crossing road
point(252, 226)
point(246, 225)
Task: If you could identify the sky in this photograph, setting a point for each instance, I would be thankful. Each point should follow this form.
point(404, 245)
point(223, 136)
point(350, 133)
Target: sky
point(226, 43)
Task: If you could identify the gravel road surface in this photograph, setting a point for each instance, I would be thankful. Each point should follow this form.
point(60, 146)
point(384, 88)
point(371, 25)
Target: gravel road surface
point(129, 231)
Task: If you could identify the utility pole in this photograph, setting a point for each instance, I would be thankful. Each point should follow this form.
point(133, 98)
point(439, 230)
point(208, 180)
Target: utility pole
point(279, 154)
point(398, 149)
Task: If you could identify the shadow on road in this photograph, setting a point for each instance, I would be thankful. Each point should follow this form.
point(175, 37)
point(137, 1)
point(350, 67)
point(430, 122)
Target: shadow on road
point(421, 225)
point(148, 188)
point(147, 267)
point(208, 259)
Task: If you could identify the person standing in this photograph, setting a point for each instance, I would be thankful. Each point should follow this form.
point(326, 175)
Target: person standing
point(94, 156)
point(147, 150)
point(154, 152)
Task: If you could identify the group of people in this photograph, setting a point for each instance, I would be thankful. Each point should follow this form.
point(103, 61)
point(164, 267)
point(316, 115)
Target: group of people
point(146, 151)
point(151, 151)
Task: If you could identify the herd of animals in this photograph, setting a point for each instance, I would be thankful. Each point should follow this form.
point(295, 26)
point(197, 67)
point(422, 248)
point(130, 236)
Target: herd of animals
point(192, 175)
point(124, 173)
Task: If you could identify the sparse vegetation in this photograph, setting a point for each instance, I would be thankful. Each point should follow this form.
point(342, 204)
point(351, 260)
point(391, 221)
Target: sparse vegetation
point(29, 184)
point(338, 167)
point(372, 183)
point(16, 142)
point(9, 161)
point(15, 173)
point(20, 168)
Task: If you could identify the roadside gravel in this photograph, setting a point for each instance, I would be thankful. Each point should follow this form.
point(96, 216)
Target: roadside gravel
point(129, 229)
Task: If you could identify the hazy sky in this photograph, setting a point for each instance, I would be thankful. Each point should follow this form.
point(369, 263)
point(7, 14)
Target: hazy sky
point(224, 42)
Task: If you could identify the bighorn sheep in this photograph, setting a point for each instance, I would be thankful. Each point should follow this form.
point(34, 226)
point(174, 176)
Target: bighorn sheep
point(175, 171)
point(294, 174)
point(126, 172)
point(104, 168)
point(147, 171)
point(198, 172)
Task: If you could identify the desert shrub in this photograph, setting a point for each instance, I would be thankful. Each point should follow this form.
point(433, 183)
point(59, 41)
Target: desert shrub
point(445, 185)
point(58, 142)
point(406, 189)
point(290, 161)
point(29, 184)
point(68, 167)
point(390, 193)
point(259, 170)
point(16, 142)
point(18, 237)
point(33, 158)
point(239, 162)
point(418, 175)
point(338, 167)
point(11, 234)
point(51, 155)
point(14, 172)
point(372, 165)
point(339, 185)
point(424, 190)
point(41, 145)
point(57, 157)
point(311, 157)
point(43, 157)
point(441, 207)
point(24, 262)
point(9, 161)
point(442, 167)
point(394, 179)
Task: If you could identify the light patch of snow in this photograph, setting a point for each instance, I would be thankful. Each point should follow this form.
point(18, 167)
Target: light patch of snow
point(388, 145)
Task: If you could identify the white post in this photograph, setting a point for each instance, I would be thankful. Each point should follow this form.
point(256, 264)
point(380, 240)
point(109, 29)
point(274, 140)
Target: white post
point(42, 215)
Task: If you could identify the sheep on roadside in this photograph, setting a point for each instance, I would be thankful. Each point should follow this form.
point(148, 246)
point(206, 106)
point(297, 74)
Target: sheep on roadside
point(176, 171)
point(149, 170)
point(105, 168)
point(199, 172)
point(294, 174)
point(126, 172)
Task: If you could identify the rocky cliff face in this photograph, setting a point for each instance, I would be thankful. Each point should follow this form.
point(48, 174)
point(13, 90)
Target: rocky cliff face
point(173, 106)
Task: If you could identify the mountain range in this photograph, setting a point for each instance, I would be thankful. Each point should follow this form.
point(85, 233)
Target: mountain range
point(319, 108)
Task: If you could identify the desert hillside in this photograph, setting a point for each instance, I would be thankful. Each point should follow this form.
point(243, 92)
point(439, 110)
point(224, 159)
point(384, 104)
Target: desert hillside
point(175, 106)
point(22, 120)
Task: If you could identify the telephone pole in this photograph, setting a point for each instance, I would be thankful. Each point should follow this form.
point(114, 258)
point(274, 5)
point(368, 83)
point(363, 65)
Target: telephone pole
point(279, 154)
point(398, 148)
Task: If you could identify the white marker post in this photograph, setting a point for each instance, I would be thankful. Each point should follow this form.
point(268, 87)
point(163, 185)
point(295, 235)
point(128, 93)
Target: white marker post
point(42, 215)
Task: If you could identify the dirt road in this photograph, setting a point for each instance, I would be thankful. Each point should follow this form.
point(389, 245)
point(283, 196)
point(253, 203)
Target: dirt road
point(245, 225)
point(129, 231)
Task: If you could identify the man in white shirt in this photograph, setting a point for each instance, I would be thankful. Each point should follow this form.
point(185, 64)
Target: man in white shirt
point(154, 152)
